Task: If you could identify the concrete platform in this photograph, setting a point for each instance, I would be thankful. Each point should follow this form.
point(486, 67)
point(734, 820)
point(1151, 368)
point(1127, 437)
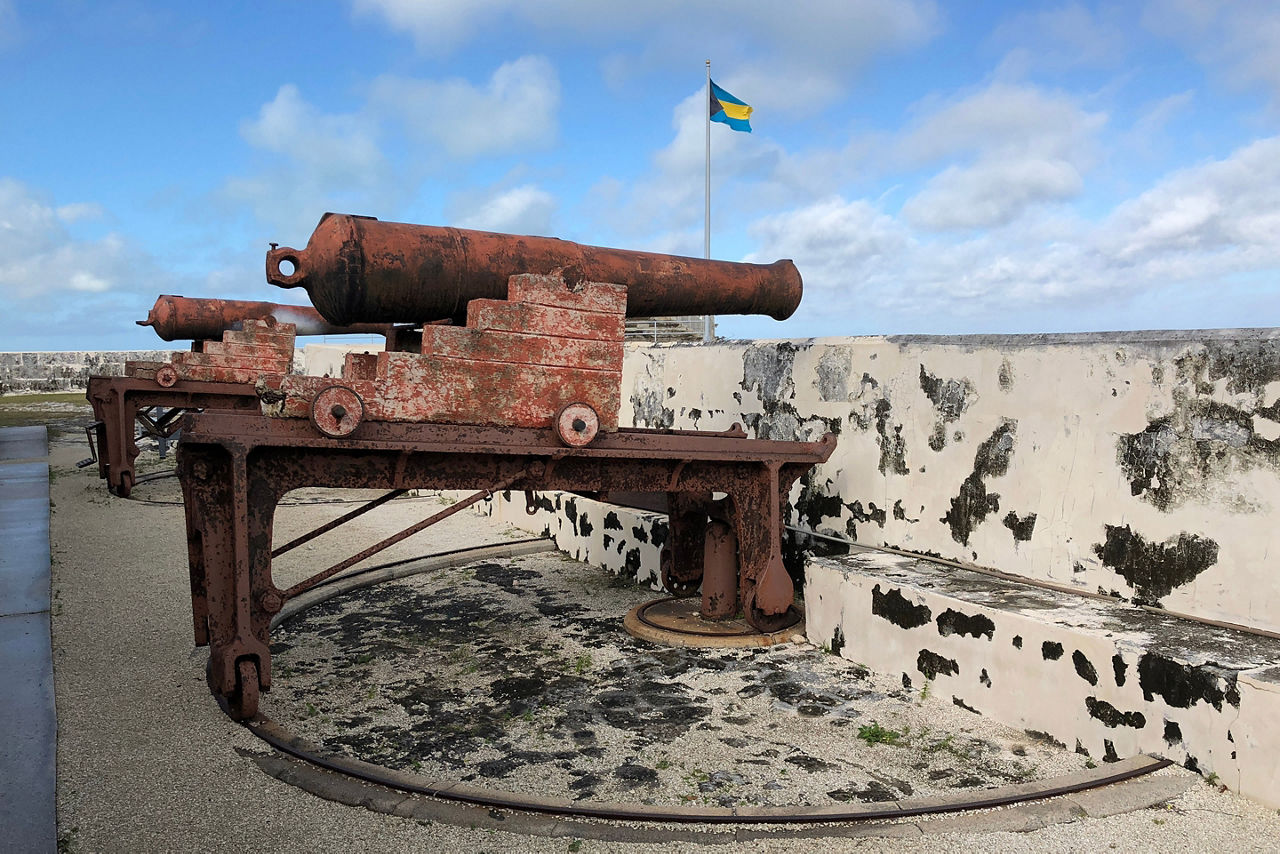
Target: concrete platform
point(1109, 680)
point(28, 719)
point(147, 762)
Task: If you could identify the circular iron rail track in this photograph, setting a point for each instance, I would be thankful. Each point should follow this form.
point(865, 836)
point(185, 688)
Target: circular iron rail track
point(293, 746)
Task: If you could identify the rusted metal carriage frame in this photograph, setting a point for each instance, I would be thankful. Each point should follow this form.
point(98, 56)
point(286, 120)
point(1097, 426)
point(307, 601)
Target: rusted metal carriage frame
point(119, 402)
point(235, 468)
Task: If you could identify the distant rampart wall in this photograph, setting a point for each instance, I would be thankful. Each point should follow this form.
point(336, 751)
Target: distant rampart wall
point(66, 370)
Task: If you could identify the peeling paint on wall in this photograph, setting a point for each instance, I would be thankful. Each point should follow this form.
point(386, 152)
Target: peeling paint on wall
point(1113, 717)
point(1054, 438)
point(1153, 570)
point(931, 664)
point(952, 622)
point(1182, 685)
point(897, 609)
point(1021, 526)
point(1084, 667)
point(973, 504)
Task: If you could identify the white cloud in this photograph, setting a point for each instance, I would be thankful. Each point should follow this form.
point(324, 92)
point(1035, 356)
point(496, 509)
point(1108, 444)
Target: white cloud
point(1240, 39)
point(78, 211)
point(39, 257)
point(311, 161)
point(805, 48)
point(1196, 227)
point(1227, 209)
point(340, 148)
point(516, 110)
point(520, 210)
point(314, 162)
point(992, 192)
point(51, 280)
point(1024, 147)
point(439, 25)
point(1065, 37)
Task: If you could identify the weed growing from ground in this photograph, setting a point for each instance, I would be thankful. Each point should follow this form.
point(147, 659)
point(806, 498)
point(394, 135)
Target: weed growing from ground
point(873, 733)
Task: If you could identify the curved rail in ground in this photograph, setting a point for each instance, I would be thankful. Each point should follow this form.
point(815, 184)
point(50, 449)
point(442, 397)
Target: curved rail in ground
point(287, 743)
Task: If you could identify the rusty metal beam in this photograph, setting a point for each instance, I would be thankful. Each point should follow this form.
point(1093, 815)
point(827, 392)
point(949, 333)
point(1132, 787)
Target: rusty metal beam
point(235, 468)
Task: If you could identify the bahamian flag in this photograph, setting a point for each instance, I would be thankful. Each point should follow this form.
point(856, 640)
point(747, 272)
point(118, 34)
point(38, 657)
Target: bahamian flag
point(729, 110)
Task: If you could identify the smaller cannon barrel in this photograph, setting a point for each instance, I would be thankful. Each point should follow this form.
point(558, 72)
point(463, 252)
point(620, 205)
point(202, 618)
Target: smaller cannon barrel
point(360, 270)
point(178, 318)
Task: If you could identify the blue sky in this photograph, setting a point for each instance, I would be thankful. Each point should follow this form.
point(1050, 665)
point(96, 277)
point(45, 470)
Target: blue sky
point(931, 167)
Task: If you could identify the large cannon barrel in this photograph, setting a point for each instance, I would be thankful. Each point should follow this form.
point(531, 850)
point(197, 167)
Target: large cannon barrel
point(178, 318)
point(360, 270)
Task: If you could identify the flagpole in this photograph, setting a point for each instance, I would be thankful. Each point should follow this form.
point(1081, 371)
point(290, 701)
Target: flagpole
point(708, 323)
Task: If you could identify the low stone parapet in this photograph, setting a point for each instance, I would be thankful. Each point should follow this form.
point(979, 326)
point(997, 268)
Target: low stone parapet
point(1104, 677)
point(67, 370)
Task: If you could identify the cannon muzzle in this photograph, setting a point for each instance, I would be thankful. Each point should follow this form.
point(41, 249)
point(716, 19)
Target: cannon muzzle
point(358, 269)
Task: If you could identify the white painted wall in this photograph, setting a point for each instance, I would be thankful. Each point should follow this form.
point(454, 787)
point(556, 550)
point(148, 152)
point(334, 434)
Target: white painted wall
point(1188, 421)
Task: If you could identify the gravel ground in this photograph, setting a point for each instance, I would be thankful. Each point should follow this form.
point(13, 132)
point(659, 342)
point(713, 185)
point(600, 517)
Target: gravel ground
point(427, 675)
point(147, 762)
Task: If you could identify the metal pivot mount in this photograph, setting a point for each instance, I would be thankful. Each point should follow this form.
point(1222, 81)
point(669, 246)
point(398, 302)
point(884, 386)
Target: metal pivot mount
point(235, 468)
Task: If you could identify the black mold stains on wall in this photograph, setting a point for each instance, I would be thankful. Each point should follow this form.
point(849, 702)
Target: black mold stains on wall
point(767, 369)
point(837, 640)
point(897, 609)
point(931, 664)
point(873, 514)
point(1203, 443)
point(1084, 667)
point(1119, 667)
point(612, 522)
point(950, 398)
point(1022, 526)
point(1113, 717)
point(1153, 570)
point(1005, 376)
point(1183, 685)
point(1172, 733)
point(813, 504)
point(659, 532)
point(1144, 459)
point(893, 448)
point(631, 566)
point(974, 503)
point(648, 409)
point(1051, 650)
point(833, 373)
point(955, 623)
point(900, 513)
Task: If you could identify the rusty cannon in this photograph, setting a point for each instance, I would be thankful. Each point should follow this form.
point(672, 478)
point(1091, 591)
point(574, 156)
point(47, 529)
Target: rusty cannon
point(505, 374)
point(358, 269)
point(178, 318)
point(151, 398)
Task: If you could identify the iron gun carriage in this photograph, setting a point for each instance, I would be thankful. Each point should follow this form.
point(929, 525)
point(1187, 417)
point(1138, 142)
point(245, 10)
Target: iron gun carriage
point(525, 396)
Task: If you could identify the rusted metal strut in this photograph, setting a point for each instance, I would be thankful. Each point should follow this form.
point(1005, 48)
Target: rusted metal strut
point(235, 468)
point(119, 401)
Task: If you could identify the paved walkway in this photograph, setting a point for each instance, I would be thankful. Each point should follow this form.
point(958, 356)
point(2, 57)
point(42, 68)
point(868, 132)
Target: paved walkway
point(27, 717)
